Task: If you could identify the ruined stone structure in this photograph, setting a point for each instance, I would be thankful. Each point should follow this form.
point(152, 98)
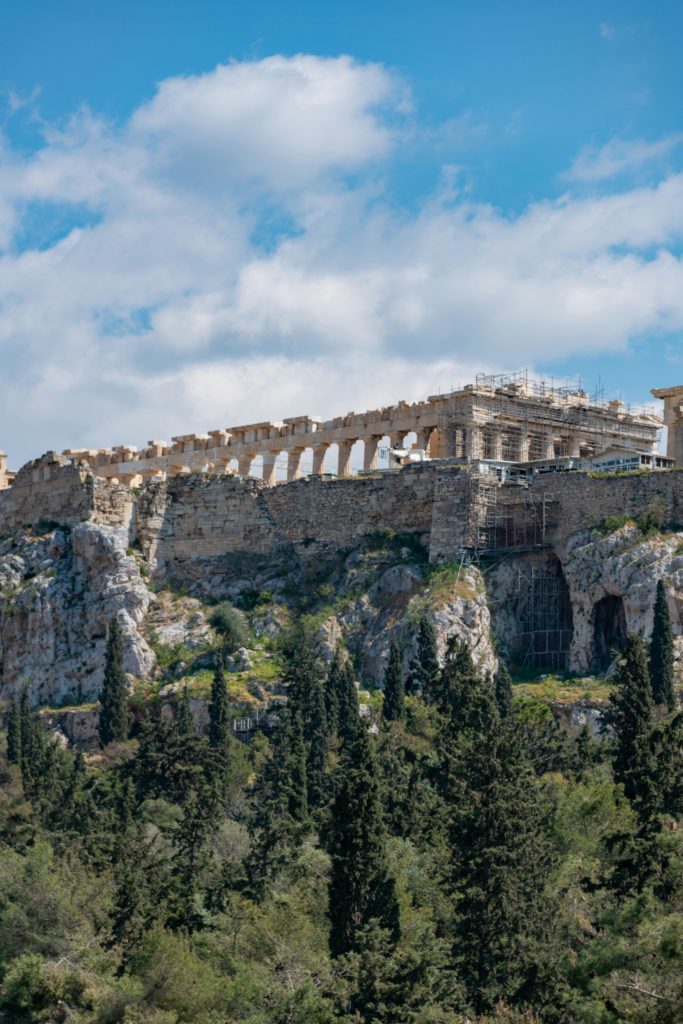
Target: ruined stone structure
point(6, 476)
point(506, 418)
point(673, 419)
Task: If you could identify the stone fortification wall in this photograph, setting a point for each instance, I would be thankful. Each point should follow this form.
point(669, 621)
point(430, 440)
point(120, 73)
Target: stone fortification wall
point(52, 490)
point(339, 513)
point(188, 519)
point(197, 516)
point(47, 490)
point(577, 501)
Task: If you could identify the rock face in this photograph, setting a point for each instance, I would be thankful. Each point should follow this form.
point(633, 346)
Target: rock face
point(60, 586)
point(391, 607)
point(59, 590)
point(612, 585)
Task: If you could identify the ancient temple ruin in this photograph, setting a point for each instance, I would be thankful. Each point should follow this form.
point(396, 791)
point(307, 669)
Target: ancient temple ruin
point(510, 418)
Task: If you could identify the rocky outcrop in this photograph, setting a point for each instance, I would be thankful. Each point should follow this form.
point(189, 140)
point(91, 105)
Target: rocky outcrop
point(59, 589)
point(625, 566)
point(390, 609)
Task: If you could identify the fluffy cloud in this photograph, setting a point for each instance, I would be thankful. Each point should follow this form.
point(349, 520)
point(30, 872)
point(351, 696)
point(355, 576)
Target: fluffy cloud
point(230, 253)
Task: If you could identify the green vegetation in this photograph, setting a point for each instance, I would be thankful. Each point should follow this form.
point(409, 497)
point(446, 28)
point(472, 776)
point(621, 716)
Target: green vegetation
point(559, 690)
point(654, 520)
point(113, 720)
point(468, 861)
point(662, 652)
point(230, 625)
point(393, 708)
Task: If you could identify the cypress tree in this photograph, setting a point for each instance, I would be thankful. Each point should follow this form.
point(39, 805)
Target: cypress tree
point(184, 724)
point(360, 889)
point(630, 714)
point(662, 652)
point(218, 710)
point(26, 732)
point(503, 690)
point(332, 693)
point(281, 814)
point(295, 779)
point(318, 745)
point(426, 667)
point(113, 723)
point(393, 708)
point(14, 734)
point(348, 720)
point(500, 863)
point(467, 701)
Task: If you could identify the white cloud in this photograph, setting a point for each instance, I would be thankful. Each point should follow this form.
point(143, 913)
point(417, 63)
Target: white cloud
point(161, 314)
point(618, 155)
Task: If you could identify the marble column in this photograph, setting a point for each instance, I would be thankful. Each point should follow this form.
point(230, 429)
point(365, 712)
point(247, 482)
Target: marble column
point(294, 463)
point(344, 462)
point(473, 443)
point(244, 464)
point(269, 468)
point(497, 446)
point(396, 438)
point(574, 445)
point(370, 452)
point(548, 449)
point(523, 448)
point(319, 453)
point(673, 420)
point(422, 436)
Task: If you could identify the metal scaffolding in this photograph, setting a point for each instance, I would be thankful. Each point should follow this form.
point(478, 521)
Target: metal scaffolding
point(544, 616)
point(516, 417)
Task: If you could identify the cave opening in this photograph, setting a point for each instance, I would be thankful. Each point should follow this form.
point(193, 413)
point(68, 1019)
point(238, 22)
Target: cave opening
point(543, 612)
point(609, 630)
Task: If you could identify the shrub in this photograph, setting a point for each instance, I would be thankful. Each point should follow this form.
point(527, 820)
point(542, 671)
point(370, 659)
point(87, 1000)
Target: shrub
point(230, 624)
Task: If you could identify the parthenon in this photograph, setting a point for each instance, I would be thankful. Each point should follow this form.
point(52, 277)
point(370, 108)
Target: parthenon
point(507, 418)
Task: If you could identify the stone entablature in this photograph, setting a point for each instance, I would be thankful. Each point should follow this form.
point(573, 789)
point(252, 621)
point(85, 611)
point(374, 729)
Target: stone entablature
point(514, 422)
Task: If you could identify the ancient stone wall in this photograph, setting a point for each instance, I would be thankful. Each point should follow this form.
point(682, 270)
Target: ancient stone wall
point(579, 501)
point(198, 518)
point(47, 490)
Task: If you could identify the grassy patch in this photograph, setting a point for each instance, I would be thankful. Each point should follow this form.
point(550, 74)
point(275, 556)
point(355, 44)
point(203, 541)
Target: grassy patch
point(553, 690)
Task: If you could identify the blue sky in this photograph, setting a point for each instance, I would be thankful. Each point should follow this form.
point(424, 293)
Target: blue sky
point(213, 213)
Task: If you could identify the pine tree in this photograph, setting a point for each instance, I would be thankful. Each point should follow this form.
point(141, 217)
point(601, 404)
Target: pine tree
point(630, 715)
point(503, 690)
point(219, 729)
point(113, 723)
point(14, 734)
point(426, 667)
point(662, 652)
point(184, 724)
point(360, 889)
point(393, 709)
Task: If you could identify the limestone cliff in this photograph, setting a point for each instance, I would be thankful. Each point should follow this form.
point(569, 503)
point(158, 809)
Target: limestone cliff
point(61, 585)
point(58, 589)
